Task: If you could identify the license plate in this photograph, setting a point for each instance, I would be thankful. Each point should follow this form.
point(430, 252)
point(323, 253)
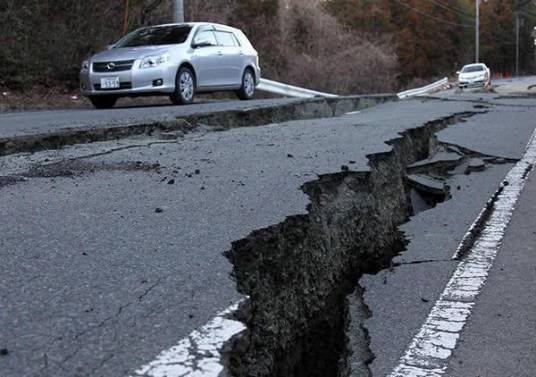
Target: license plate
point(110, 83)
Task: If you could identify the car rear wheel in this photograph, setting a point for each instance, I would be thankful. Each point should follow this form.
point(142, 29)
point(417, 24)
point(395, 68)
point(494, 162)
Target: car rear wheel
point(184, 87)
point(247, 91)
point(103, 102)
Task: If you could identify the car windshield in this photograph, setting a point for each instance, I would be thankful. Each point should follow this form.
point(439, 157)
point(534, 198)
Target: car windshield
point(472, 68)
point(155, 36)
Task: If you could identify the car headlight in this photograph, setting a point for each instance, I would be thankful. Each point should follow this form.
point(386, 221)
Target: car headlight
point(85, 65)
point(154, 61)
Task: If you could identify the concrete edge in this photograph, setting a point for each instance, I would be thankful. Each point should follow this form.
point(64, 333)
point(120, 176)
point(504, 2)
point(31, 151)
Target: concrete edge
point(218, 121)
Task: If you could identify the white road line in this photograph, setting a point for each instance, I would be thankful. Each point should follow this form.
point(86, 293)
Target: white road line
point(199, 354)
point(429, 351)
point(469, 236)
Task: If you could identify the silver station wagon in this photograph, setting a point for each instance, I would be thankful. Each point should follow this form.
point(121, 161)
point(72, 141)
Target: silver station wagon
point(176, 60)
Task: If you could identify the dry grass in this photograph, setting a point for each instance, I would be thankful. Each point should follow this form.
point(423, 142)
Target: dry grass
point(60, 98)
point(40, 99)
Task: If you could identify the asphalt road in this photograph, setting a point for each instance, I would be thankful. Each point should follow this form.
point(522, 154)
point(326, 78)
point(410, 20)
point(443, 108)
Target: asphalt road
point(112, 258)
point(37, 122)
point(400, 299)
point(90, 257)
point(499, 338)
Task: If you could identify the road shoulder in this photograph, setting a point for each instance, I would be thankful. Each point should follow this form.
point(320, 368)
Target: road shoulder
point(499, 338)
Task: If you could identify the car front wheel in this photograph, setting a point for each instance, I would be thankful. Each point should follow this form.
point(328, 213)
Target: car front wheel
point(103, 102)
point(247, 91)
point(184, 87)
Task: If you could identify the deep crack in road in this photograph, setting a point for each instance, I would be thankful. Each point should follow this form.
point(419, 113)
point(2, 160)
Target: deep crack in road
point(106, 265)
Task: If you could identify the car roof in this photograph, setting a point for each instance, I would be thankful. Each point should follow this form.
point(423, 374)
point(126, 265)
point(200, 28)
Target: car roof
point(217, 26)
point(475, 65)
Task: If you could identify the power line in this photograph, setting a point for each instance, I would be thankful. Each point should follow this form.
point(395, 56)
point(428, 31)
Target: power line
point(434, 17)
point(452, 9)
point(522, 4)
point(527, 12)
point(531, 16)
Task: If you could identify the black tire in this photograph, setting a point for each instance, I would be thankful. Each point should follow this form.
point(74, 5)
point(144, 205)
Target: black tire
point(185, 85)
point(247, 91)
point(103, 102)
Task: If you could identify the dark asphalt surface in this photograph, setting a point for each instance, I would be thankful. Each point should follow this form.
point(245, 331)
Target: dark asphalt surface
point(401, 299)
point(100, 283)
point(94, 282)
point(499, 338)
point(37, 122)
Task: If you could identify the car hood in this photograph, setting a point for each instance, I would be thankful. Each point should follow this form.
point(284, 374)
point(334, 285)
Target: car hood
point(129, 53)
point(472, 75)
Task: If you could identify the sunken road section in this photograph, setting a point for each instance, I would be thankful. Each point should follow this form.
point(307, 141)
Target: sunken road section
point(437, 338)
point(217, 121)
point(298, 274)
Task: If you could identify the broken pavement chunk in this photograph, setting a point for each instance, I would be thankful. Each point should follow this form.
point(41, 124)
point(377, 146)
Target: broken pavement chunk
point(171, 135)
point(441, 158)
point(428, 185)
point(475, 164)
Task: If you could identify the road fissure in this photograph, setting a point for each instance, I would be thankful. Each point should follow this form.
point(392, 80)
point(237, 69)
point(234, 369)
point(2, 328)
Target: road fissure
point(299, 273)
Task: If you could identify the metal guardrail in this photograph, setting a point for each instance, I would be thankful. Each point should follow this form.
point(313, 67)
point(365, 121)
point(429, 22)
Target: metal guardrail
point(289, 90)
point(424, 90)
point(294, 91)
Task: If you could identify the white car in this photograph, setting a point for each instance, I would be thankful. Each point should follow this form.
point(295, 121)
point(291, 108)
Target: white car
point(474, 75)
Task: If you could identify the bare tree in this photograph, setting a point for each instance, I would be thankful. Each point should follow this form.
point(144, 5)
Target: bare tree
point(44, 42)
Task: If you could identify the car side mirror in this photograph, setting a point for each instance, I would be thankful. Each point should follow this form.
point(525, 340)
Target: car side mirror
point(458, 72)
point(109, 47)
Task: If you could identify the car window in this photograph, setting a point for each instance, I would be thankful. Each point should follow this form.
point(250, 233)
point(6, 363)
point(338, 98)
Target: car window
point(243, 40)
point(205, 36)
point(153, 36)
point(226, 39)
point(472, 68)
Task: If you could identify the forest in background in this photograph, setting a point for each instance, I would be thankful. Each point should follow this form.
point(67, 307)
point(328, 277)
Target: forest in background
point(341, 46)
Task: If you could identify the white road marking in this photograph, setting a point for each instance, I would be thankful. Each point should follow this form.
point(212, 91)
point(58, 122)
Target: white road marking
point(469, 236)
point(199, 354)
point(429, 351)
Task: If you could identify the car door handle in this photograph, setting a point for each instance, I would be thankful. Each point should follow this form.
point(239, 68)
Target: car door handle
point(220, 53)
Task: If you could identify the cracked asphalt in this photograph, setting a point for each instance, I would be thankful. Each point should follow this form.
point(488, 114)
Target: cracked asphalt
point(401, 298)
point(39, 122)
point(499, 339)
point(104, 265)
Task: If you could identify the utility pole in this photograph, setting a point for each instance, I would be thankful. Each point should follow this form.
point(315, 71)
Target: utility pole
point(519, 5)
point(125, 18)
point(517, 42)
point(178, 11)
point(534, 36)
point(477, 32)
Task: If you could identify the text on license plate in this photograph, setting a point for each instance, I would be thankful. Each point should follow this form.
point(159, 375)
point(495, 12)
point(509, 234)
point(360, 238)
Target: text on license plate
point(110, 83)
